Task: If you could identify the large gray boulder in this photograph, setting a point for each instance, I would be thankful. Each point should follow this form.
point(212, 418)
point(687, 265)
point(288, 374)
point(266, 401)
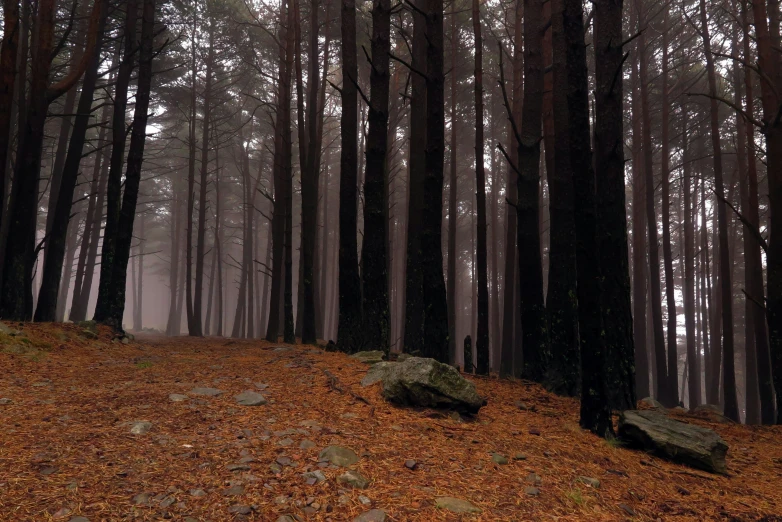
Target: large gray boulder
point(674, 440)
point(425, 382)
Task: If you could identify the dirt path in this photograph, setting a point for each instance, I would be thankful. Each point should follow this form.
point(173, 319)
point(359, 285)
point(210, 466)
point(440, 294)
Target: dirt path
point(67, 451)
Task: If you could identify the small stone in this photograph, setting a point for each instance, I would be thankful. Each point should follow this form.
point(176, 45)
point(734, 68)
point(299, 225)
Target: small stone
point(314, 477)
point(284, 461)
point(306, 444)
point(250, 398)
point(373, 515)
point(275, 468)
point(5, 401)
point(287, 441)
point(234, 491)
point(338, 456)
point(532, 491)
point(79, 519)
point(237, 467)
point(142, 498)
point(286, 518)
point(411, 464)
point(167, 502)
point(370, 357)
point(62, 513)
point(519, 456)
point(627, 509)
point(524, 407)
point(589, 481)
point(140, 427)
point(88, 334)
point(364, 500)
point(353, 479)
point(652, 403)
point(198, 493)
point(207, 392)
point(178, 397)
point(190, 519)
point(534, 431)
point(456, 505)
point(533, 479)
point(240, 509)
point(499, 459)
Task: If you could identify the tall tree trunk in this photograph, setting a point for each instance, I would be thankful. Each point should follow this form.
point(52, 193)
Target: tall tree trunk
point(662, 391)
point(729, 375)
point(196, 329)
point(595, 410)
point(112, 315)
point(482, 342)
point(496, 335)
point(642, 387)
point(533, 312)
point(453, 203)
point(138, 321)
point(104, 306)
point(767, 43)
point(435, 338)
point(414, 282)
point(58, 227)
point(373, 254)
point(509, 358)
point(562, 305)
point(65, 280)
point(8, 53)
point(191, 168)
point(693, 364)
point(673, 371)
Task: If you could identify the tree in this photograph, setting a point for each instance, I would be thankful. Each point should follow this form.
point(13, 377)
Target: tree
point(482, 341)
point(373, 255)
point(349, 281)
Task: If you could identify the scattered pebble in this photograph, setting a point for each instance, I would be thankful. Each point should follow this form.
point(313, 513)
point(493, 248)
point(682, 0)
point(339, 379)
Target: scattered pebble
point(456, 505)
point(499, 459)
point(250, 398)
point(373, 515)
point(353, 479)
point(532, 491)
point(411, 464)
point(140, 427)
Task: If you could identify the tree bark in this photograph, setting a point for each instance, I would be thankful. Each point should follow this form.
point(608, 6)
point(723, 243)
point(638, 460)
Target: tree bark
point(8, 54)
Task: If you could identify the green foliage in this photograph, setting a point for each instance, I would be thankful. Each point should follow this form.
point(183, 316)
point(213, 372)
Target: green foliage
point(143, 365)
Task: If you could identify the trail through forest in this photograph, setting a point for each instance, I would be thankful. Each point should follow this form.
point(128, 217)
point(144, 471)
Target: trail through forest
point(217, 429)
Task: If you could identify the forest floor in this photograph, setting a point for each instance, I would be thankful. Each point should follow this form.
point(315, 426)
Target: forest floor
point(67, 451)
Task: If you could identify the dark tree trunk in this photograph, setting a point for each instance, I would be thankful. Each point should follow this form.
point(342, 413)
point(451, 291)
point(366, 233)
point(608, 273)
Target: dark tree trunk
point(414, 286)
point(289, 335)
point(70, 254)
point(729, 375)
point(662, 393)
point(509, 356)
point(435, 331)
point(562, 305)
point(673, 366)
point(105, 305)
point(138, 321)
point(58, 229)
point(533, 311)
point(373, 254)
point(482, 341)
point(191, 167)
point(643, 388)
point(453, 203)
point(112, 315)
point(693, 364)
point(8, 53)
point(595, 410)
point(767, 40)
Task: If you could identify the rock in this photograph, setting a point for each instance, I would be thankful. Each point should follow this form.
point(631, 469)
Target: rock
point(428, 383)
point(519, 456)
point(282, 349)
point(197, 493)
point(316, 476)
point(377, 372)
point(250, 398)
point(79, 519)
point(125, 340)
point(371, 357)
point(711, 412)
point(532, 491)
point(373, 515)
point(411, 464)
point(207, 392)
point(306, 444)
point(177, 397)
point(627, 509)
point(353, 479)
point(338, 456)
point(499, 459)
point(533, 479)
point(140, 427)
point(5, 401)
point(287, 441)
point(234, 491)
point(286, 518)
point(4, 329)
point(142, 498)
point(402, 357)
point(240, 509)
point(237, 467)
point(524, 407)
point(364, 500)
point(593, 482)
point(678, 441)
point(88, 325)
point(456, 505)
